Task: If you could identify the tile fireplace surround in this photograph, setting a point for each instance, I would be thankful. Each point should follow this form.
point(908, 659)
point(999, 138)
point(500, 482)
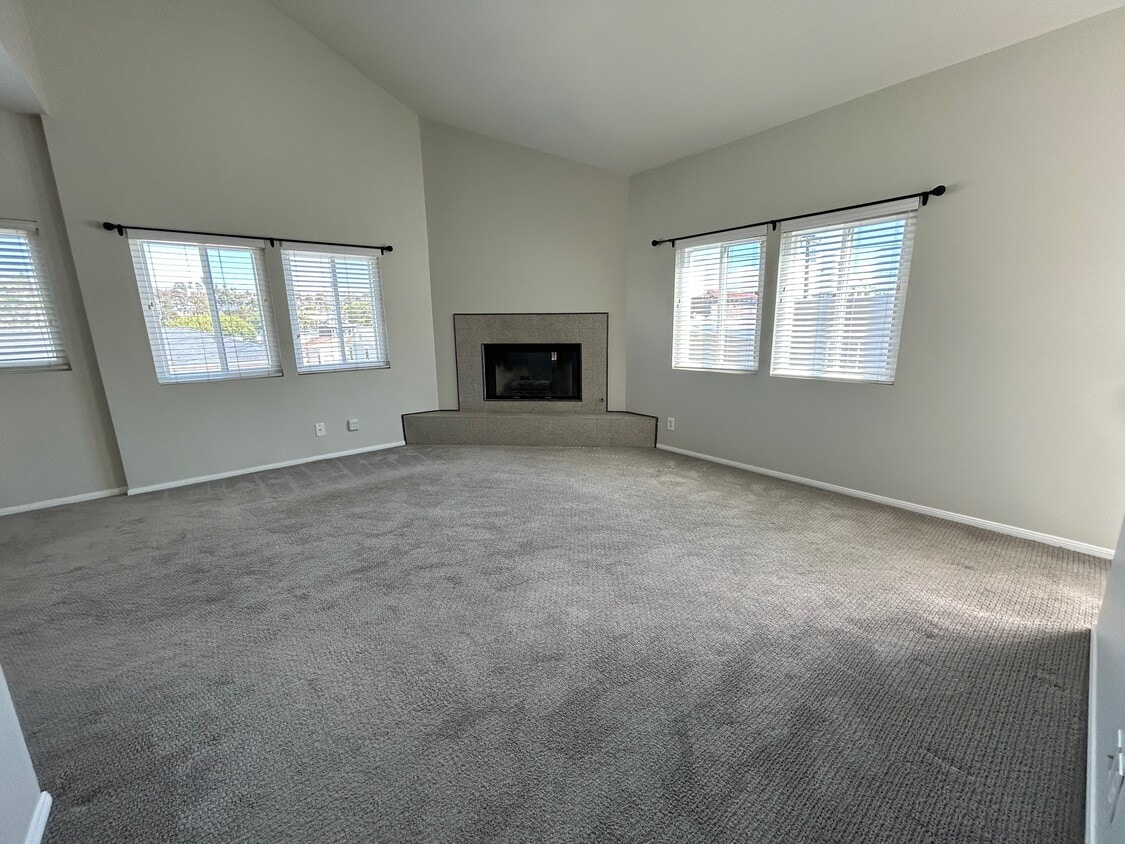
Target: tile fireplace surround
point(477, 421)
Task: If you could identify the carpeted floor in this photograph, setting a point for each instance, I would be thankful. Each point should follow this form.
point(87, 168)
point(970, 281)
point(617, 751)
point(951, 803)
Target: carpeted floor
point(442, 644)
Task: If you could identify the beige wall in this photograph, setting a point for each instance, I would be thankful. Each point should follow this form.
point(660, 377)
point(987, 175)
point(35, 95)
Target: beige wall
point(1010, 396)
point(226, 116)
point(512, 230)
point(56, 438)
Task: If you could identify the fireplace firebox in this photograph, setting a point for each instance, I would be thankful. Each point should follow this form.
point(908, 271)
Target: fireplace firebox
point(532, 371)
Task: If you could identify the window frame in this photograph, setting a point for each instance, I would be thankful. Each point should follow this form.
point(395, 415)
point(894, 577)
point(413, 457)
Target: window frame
point(374, 296)
point(158, 342)
point(48, 310)
point(905, 210)
point(682, 300)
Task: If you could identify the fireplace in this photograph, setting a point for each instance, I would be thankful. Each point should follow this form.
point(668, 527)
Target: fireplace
point(505, 364)
point(534, 380)
point(532, 371)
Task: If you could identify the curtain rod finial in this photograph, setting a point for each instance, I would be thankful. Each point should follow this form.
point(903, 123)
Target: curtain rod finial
point(938, 191)
point(388, 249)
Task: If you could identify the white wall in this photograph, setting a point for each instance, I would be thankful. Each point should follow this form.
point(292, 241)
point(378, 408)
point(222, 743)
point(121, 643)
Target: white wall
point(57, 439)
point(513, 229)
point(226, 116)
point(1107, 704)
point(19, 789)
point(1010, 396)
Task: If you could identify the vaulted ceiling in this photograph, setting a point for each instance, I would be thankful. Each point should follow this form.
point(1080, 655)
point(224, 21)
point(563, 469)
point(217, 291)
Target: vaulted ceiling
point(630, 84)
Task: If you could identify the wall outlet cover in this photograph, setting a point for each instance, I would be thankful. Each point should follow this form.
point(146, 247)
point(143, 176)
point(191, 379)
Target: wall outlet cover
point(320, 429)
point(353, 424)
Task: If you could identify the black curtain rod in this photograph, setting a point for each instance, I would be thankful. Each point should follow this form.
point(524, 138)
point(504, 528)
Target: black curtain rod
point(120, 228)
point(922, 195)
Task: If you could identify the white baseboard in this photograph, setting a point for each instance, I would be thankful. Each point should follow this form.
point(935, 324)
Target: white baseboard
point(137, 490)
point(1009, 530)
point(39, 819)
point(58, 502)
point(1091, 740)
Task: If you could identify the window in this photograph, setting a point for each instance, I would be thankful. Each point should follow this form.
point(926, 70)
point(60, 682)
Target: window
point(29, 326)
point(840, 294)
point(336, 305)
point(717, 311)
point(206, 308)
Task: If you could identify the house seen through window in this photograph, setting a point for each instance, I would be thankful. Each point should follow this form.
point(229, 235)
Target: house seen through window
point(29, 327)
point(717, 312)
point(336, 309)
point(206, 309)
point(841, 294)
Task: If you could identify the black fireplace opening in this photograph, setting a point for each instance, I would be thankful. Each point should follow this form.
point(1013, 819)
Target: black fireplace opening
point(532, 371)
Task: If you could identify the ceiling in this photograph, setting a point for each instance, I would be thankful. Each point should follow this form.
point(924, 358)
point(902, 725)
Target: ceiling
point(626, 85)
point(16, 91)
point(19, 74)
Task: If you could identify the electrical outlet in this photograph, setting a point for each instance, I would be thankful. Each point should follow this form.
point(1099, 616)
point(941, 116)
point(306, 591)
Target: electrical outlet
point(671, 423)
point(321, 430)
point(353, 424)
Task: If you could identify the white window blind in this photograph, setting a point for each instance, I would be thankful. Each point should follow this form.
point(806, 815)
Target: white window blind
point(717, 312)
point(840, 294)
point(206, 308)
point(29, 327)
point(336, 305)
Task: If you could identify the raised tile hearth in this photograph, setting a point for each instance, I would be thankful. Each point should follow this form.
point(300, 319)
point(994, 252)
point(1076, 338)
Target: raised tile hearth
point(468, 427)
point(531, 379)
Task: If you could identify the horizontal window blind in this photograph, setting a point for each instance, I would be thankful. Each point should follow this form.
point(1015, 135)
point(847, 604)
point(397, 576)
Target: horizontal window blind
point(841, 294)
point(30, 338)
point(336, 305)
point(206, 308)
point(716, 318)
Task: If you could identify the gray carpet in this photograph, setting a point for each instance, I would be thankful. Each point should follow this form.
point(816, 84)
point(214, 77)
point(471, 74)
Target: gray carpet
point(448, 644)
